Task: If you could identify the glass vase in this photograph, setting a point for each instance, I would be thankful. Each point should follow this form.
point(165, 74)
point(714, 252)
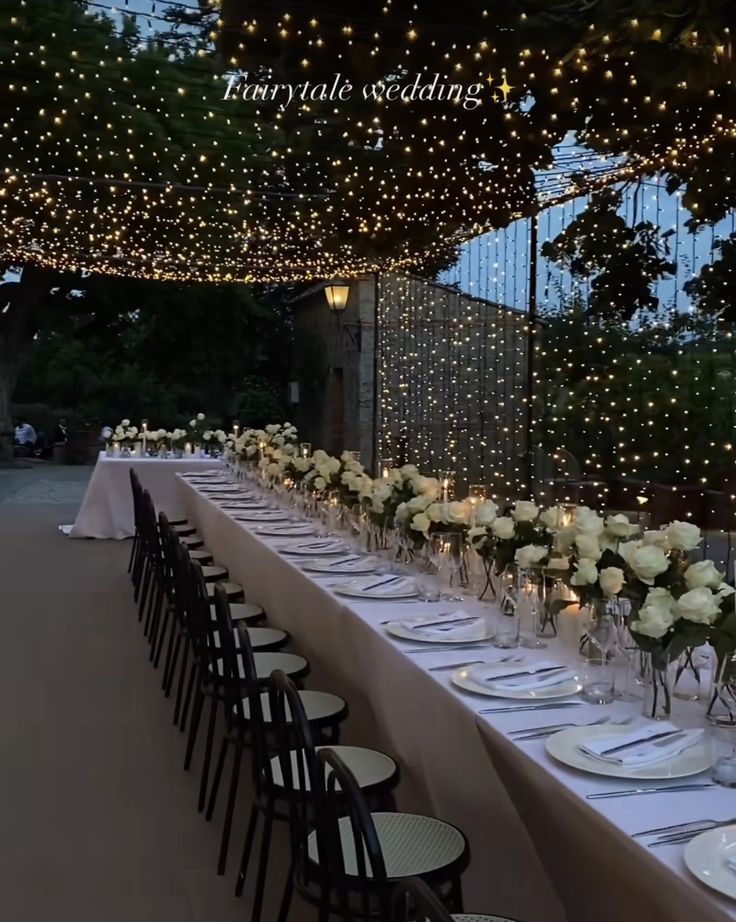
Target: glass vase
point(508, 620)
point(657, 682)
point(691, 673)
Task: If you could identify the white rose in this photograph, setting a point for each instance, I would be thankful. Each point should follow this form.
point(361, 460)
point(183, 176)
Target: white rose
point(698, 605)
point(611, 580)
point(221, 436)
point(192, 423)
point(377, 505)
point(426, 486)
point(273, 469)
point(260, 434)
point(587, 522)
point(320, 456)
point(586, 573)
point(409, 471)
point(403, 513)
point(458, 513)
point(723, 591)
point(435, 512)
point(529, 555)
point(421, 523)
point(684, 536)
point(524, 511)
point(133, 431)
point(125, 423)
point(646, 560)
point(655, 616)
point(486, 513)
point(320, 483)
point(250, 451)
point(656, 538)
point(382, 491)
point(503, 527)
point(558, 563)
point(587, 546)
point(478, 537)
point(302, 464)
point(620, 526)
point(200, 416)
point(207, 436)
point(419, 503)
point(273, 428)
point(552, 518)
point(703, 573)
point(565, 540)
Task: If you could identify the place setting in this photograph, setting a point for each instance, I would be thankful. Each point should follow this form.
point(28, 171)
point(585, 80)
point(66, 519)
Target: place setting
point(382, 589)
point(352, 564)
point(453, 628)
point(320, 547)
point(541, 680)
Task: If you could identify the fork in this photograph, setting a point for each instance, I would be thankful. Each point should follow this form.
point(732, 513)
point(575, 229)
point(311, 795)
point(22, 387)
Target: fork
point(541, 732)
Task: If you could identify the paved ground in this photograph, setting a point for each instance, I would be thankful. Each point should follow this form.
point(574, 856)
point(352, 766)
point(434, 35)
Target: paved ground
point(98, 822)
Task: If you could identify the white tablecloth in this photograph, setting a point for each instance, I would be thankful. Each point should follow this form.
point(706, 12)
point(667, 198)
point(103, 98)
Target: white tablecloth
point(107, 507)
point(525, 864)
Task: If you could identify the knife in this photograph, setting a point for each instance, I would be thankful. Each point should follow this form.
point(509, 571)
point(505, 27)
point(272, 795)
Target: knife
point(442, 622)
point(384, 582)
point(671, 788)
point(642, 739)
point(530, 672)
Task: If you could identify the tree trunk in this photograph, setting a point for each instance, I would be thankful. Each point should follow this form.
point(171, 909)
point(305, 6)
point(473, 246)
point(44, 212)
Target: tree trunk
point(19, 310)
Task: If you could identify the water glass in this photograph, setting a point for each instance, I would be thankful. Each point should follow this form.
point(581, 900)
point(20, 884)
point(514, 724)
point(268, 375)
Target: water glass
point(508, 620)
point(598, 679)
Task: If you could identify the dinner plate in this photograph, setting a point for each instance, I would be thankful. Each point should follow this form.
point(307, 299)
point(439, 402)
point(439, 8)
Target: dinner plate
point(380, 593)
point(466, 679)
point(563, 747)
point(262, 515)
point(364, 565)
point(308, 551)
point(397, 629)
point(286, 531)
point(707, 856)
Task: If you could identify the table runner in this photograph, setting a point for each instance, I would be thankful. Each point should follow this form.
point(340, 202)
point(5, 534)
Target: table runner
point(429, 725)
point(107, 507)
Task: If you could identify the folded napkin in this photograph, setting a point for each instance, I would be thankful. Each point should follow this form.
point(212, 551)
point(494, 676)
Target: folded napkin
point(346, 565)
point(328, 544)
point(648, 751)
point(495, 678)
point(458, 625)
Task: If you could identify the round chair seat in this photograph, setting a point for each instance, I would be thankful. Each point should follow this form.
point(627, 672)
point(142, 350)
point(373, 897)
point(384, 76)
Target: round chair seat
point(369, 766)
point(231, 589)
point(264, 637)
point(296, 667)
point(320, 707)
point(175, 522)
point(191, 542)
point(412, 844)
point(183, 531)
point(242, 611)
point(214, 573)
point(201, 555)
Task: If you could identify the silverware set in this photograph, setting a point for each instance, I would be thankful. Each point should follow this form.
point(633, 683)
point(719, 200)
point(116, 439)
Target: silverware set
point(538, 733)
point(681, 833)
point(475, 662)
point(664, 789)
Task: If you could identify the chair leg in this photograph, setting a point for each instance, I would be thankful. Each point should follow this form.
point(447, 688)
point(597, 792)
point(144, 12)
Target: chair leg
point(286, 896)
point(209, 743)
point(216, 778)
point(324, 902)
point(230, 808)
point(153, 616)
point(132, 552)
point(162, 634)
point(247, 847)
point(255, 915)
point(172, 655)
point(182, 680)
point(187, 700)
point(193, 727)
point(144, 589)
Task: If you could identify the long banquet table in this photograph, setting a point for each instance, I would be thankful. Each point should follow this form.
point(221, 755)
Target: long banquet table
point(107, 507)
point(540, 851)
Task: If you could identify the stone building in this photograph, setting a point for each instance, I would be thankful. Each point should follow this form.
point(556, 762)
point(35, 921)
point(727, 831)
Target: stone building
point(414, 371)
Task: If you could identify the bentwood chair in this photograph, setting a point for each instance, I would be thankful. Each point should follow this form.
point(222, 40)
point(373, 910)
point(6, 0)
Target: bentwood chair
point(209, 643)
point(289, 771)
point(245, 674)
point(350, 861)
point(414, 901)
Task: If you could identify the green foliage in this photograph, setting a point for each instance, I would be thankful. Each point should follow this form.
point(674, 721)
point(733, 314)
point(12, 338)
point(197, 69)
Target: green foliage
point(714, 289)
point(622, 263)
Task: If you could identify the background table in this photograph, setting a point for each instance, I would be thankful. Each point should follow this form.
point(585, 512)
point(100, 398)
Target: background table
point(107, 507)
point(540, 851)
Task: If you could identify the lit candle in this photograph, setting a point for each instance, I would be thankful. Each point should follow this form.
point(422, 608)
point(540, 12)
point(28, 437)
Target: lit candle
point(305, 449)
point(236, 427)
point(188, 449)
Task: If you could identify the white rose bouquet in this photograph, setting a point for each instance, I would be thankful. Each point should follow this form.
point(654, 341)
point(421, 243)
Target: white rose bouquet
point(124, 435)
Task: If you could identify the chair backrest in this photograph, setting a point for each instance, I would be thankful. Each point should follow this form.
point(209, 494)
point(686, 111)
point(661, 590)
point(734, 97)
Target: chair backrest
point(294, 743)
point(347, 842)
point(414, 901)
point(182, 580)
point(201, 627)
point(234, 686)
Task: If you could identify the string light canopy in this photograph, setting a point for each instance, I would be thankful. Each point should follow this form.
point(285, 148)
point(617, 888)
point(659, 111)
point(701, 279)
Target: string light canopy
point(123, 157)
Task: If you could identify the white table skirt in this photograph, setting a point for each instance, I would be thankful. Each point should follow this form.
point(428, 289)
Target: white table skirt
point(107, 507)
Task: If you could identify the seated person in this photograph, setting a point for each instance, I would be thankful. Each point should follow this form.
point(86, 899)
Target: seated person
point(25, 434)
point(60, 433)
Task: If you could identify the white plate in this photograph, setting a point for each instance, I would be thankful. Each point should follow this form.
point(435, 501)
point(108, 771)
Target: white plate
point(297, 551)
point(262, 515)
point(396, 629)
point(464, 679)
point(563, 746)
point(706, 857)
point(366, 565)
point(284, 531)
point(354, 590)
